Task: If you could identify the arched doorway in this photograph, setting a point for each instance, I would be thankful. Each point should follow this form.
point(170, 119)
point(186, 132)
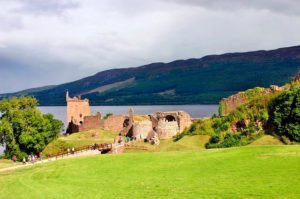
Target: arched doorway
point(170, 118)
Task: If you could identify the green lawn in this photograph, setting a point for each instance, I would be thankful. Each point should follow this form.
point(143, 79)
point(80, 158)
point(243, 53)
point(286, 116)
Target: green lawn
point(7, 163)
point(247, 172)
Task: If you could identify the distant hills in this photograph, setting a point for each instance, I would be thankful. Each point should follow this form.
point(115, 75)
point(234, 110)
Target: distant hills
point(193, 81)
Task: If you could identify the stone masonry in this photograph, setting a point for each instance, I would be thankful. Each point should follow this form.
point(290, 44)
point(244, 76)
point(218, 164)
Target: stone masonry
point(162, 125)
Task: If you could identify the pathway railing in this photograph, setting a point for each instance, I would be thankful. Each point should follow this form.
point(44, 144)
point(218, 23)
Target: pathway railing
point(100, 147)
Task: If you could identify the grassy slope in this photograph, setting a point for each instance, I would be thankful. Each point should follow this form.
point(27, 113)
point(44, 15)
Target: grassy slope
point(267, 140)
point(83, 138)
point(246, 172)
point(90, 137)
point(188, 143)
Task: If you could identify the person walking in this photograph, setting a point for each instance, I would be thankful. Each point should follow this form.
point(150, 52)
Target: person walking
point(14, 158)
point(24, 160)
point(40, 156)
point(73, 150)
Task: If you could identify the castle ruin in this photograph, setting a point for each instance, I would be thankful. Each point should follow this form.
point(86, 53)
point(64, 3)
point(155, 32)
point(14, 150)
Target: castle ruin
point(162, 125)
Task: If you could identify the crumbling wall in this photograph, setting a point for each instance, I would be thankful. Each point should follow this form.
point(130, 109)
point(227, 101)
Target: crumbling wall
point(184, 120)
point(91, 122)
point(229, 104)
point(141, 129)
point(166, 129)
point(77, 109)
point(114, 123)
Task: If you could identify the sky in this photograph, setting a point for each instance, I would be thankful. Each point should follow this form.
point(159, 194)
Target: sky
point(57, 41)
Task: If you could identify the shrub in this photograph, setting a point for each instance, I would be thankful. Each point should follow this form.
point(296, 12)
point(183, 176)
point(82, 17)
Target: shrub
point(231, 140)
point(214, 139)
point(284, 114)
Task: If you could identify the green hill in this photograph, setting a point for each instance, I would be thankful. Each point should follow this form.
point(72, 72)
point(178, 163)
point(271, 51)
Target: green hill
point(78, 140)
point(194, 81)
point(248, 116)
point(246, 172)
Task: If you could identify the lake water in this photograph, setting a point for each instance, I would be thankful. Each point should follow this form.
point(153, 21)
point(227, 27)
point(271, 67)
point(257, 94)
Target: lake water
point(196, 111)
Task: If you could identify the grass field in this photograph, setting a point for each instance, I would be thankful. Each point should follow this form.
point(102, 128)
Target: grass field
point(4, 163)
point(246, 172)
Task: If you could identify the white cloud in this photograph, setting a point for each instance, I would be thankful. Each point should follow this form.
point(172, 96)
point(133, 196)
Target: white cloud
point(67, 40)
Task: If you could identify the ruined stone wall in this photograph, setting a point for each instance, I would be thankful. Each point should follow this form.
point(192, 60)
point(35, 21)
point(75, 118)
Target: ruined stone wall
point(166, 129)
point(114, 123)
point(141, 129)
point(227, 105)
point(184, 121)
point(91, 122)
point(77, 109)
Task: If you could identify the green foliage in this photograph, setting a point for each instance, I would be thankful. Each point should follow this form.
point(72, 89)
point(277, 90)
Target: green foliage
point(254, 92)
point(107, 115)
point(200, 127)
point(285, 115)
point(242, 126)
point(24, 129)
point(222, 108)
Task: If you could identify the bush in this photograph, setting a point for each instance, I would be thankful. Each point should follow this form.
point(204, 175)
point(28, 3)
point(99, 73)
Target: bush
point(231, 140)
point(214, 139)
point(284, 114)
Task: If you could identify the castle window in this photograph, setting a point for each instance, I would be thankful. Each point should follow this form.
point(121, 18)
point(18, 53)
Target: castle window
point(170, 118)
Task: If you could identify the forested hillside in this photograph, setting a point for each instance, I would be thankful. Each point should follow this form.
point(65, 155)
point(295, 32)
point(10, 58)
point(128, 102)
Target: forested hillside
point(194, 81)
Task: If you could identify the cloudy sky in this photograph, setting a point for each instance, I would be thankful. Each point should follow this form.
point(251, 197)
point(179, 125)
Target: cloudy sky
point(55, 41)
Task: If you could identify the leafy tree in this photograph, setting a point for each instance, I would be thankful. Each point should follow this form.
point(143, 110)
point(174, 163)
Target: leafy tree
point(284, 114)
point(24, 129)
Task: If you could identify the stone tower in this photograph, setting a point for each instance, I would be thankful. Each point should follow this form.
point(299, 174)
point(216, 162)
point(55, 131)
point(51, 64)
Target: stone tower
point(77, 109)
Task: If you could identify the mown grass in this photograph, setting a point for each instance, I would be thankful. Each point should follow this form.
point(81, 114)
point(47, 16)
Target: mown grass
point(246, 172)
point(4, 163)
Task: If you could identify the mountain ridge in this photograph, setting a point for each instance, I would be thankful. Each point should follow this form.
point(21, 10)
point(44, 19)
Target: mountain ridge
point(203, 80)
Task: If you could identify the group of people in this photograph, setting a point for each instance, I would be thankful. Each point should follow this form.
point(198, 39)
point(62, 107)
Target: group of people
point(30, 159)
point(71, 151)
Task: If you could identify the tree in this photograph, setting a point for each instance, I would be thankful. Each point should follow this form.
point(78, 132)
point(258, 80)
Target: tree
point(284, 114)
point(24, 129)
